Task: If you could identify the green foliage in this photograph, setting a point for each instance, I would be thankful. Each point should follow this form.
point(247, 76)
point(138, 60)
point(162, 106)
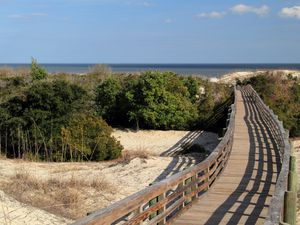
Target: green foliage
point(37, 72)
point(193, 88)
point(157, 100)
point(106, 98)
point(283, 96)
point(153, 100)
point(52, 120)
point(33, 122)
point(88, 137)
point(160, 101)
point(207, 102)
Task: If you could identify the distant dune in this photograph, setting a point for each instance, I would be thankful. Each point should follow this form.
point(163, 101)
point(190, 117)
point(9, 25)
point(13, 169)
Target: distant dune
point(231, 78)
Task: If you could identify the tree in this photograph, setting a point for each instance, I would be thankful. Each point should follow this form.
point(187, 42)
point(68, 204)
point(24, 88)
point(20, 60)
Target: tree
point(106, 98)
point(37, 72)
point(159, 100)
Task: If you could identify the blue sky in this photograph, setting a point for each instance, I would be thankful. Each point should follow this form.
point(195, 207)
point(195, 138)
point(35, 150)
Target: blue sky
point(150, 31)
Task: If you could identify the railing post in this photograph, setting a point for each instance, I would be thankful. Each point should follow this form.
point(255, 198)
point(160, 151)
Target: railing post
point(181, 185)
point(290, 197)
point(290, 207)
point(140, 210)
point(188, 191)
point(207, 179)
point(196, 185)
point(163, 196)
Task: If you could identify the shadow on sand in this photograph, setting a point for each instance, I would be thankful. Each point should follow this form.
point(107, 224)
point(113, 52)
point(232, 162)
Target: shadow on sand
point(181, 161)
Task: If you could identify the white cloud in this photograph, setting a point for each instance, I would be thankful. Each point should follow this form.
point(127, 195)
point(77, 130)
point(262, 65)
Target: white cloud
point(290, 12)
point(213, 15)
point(26, 16)
point(147, 4)
point(39, 14)
point(243, 9)
point(16, 16)
point(168, 20)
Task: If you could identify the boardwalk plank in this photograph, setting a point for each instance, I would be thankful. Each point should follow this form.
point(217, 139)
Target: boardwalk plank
point(243, 192)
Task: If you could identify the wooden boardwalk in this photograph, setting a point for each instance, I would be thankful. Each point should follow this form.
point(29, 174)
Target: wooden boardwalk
point(247, 179)
point(243, 192)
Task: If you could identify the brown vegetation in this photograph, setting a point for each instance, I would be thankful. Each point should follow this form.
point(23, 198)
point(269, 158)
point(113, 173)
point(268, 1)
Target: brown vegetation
point(101, 70)
point(8, 72)
point(141, 153)
point(64, 197)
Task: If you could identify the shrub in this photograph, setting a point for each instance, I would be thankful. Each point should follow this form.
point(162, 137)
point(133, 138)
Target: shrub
point(33, 122)
point(88, 137)
point(153, 100)
point(37, 72)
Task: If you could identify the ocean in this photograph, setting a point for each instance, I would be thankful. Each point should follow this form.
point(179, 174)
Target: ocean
point(208, 70)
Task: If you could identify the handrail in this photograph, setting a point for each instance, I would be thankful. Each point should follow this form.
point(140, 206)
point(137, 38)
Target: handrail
point(163, 201)
point(276, 208)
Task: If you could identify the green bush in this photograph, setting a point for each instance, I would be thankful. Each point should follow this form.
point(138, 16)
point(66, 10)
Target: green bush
point(157, 100)
point(34, 120)
point(88, 137)
point(37, 72)
point(106, 98)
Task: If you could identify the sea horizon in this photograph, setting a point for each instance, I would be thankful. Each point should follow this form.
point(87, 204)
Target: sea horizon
point(200, 69)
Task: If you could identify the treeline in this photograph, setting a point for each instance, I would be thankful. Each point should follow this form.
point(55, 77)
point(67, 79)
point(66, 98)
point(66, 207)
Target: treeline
point(282, 94)
point(48, 117)
point(159, 100)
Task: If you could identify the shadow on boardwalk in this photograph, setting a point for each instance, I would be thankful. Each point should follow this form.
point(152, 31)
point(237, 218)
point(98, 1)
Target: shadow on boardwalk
point(181, 161)
point(257, 180)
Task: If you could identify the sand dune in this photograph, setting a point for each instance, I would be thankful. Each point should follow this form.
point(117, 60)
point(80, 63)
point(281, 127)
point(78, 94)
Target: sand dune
point(119, 178)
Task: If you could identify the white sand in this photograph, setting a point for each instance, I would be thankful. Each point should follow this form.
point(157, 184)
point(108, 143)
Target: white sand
point(156, 142)
point(231, 77)
point(152, 141)
point(124, 178)
point(13, 212)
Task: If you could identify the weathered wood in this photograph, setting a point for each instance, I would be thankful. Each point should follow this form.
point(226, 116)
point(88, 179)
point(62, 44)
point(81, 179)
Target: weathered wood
point(219, 205)
point(276, 209)
point(290, 207)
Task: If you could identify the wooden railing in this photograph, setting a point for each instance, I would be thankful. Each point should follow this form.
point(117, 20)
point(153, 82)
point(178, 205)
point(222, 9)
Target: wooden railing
point(163, 201)
point(283, 206)
point(218, 113)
